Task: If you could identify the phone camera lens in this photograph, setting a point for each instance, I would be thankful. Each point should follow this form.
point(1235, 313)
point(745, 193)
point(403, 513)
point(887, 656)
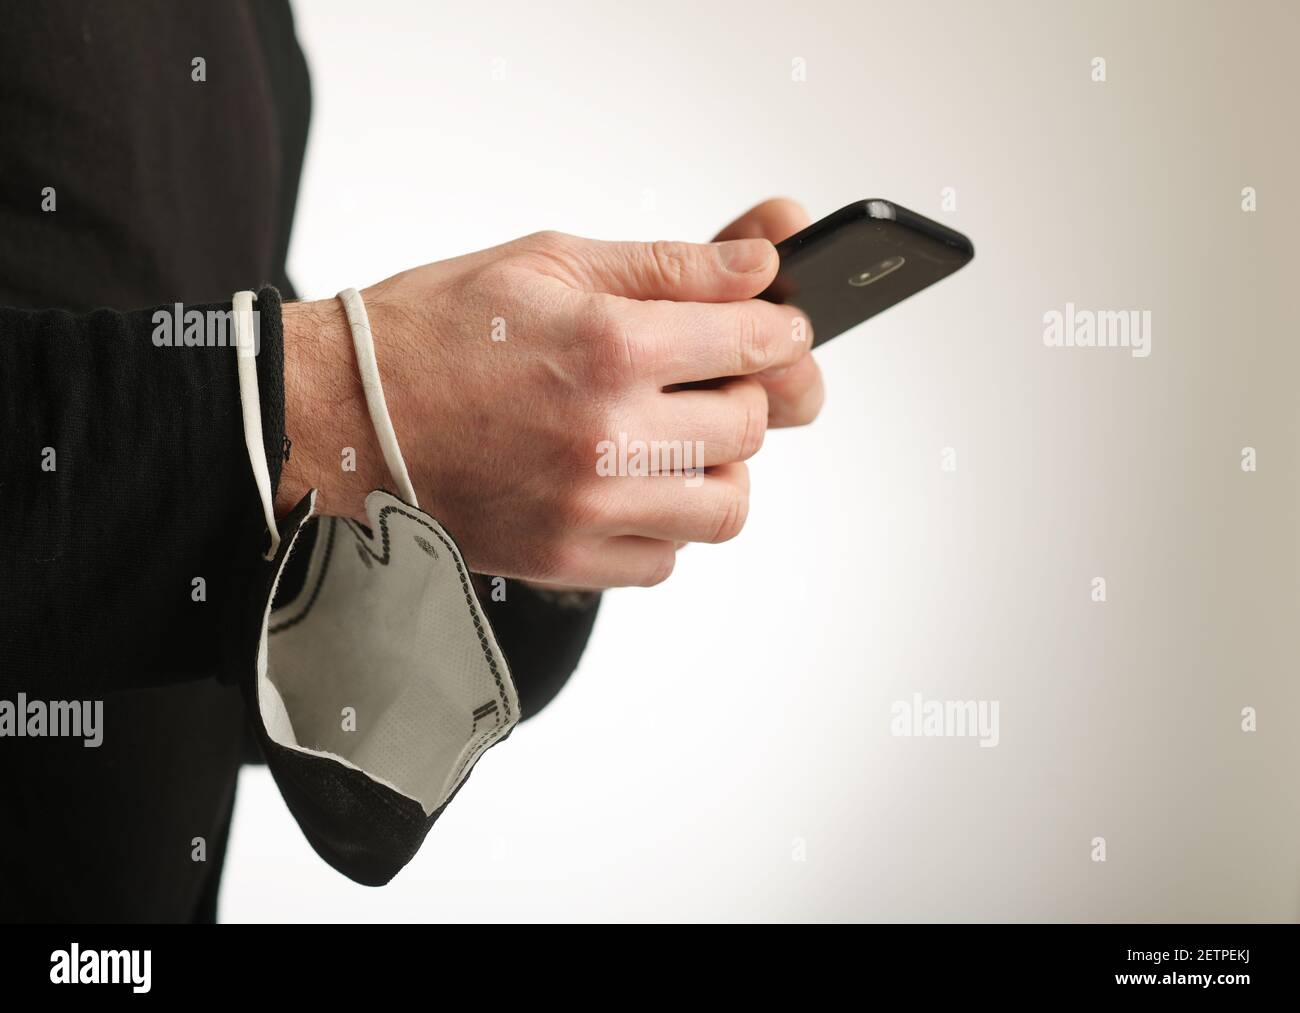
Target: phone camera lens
point(887, 266)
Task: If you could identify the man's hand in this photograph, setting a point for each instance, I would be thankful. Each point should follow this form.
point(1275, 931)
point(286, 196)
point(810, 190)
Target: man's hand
point(794, 395)
point(504, 371)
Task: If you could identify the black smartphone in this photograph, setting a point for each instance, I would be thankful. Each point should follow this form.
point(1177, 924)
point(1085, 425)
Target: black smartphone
point(864, 258)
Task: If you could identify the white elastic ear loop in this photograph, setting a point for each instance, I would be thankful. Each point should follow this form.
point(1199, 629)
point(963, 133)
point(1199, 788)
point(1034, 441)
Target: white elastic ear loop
point(364, 343)
point(250, 403)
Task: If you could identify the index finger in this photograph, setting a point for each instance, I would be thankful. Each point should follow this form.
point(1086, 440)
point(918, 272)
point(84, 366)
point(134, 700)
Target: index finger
point(682, 342)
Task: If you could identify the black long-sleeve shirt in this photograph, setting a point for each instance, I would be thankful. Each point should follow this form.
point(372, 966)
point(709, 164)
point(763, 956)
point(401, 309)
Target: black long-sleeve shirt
point(150, 155)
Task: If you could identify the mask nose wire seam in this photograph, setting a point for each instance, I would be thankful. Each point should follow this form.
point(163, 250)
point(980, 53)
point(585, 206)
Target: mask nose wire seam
point(364, 345)
point(250, 403)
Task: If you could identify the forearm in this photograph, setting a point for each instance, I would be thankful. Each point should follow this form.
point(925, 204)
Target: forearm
point(131, 522)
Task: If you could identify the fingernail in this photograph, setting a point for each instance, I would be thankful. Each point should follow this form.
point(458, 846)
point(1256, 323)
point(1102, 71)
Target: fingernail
point(776, 372)
point(745, 256)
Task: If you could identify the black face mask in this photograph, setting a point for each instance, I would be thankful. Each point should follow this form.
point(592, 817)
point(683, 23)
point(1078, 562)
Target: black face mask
point(381, 673)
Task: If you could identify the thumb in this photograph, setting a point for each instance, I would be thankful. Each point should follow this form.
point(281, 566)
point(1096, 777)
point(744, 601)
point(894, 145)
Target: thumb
point(684, 272)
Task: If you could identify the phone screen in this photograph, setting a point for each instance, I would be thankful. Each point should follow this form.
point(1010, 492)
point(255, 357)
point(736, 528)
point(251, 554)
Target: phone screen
point(861, 260)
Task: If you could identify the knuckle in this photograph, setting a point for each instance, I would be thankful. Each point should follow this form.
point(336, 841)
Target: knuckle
point(595, 319)
point(810, 408)
point(803, 402)
point(753, 428)
point(801, 331)
point(585, 439)
point(610, 343)
point(545, 241)
point(579, 457)
point(581, 506)
point(731, 517)
point(671, 260)
point(549, 253)
point(558, 562)
point(662, 568)
point(741, 472)
point(753, 342)
point(488, 283)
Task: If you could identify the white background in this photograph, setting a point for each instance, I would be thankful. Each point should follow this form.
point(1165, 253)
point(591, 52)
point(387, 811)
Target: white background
point(743, 707)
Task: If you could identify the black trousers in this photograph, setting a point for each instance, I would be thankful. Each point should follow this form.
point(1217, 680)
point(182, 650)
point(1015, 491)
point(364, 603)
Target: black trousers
point(108, 834)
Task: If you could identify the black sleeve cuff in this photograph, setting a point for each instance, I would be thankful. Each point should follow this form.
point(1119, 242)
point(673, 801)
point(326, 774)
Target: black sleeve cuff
point(270, 380)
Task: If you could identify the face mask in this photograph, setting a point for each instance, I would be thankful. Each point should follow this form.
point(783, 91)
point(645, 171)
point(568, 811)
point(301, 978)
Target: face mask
point(383, 664)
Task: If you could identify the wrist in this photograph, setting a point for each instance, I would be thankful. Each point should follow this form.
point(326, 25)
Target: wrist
point(333, 448)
